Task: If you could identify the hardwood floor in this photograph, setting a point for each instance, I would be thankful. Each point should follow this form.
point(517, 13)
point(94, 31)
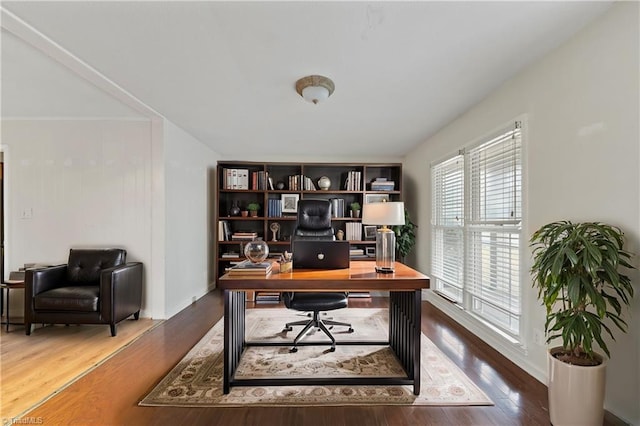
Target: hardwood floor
point(109, 394)
point(33, 367)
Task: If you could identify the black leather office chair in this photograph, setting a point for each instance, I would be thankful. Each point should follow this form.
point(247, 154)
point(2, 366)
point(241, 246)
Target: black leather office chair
point(314, 220)
point(314, 223)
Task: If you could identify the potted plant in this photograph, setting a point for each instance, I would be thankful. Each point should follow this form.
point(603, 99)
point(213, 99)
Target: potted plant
point(405, 237)
point(576, 273)
point(355, 209)
point(253, 209)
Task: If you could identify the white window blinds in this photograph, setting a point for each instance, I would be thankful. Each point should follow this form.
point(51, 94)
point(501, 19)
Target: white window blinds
point(476, 225)
point(447, 220)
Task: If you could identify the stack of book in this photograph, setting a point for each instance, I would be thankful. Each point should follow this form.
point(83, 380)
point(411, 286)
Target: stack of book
point(244, 236)
point(382, 184)
point(353, 181)
point(356, 253)
point(261, 180)
point(274, 207)
point(224, 231)
point(354, 231)
point(267, 297)
point(337, 207)
point(248, 268)
point(301, 183)
point(235, 178)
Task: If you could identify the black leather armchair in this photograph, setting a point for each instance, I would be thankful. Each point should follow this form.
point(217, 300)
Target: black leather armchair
point(314, 223)
point(97, 286)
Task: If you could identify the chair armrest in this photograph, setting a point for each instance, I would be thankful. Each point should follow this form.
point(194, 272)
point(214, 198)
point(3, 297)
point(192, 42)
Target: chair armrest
point(40, 280)
point(121, 290)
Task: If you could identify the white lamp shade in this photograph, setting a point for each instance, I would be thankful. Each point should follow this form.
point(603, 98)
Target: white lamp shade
point(389, 213)
point(315, 94)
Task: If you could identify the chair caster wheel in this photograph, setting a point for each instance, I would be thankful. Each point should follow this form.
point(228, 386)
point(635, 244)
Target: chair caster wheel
point(350, 330)
point(333, 349)
point(293, 350)
point(288, 329)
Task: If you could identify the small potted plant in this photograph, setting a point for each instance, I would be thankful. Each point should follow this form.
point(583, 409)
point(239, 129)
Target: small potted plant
point(253, 209)
point(355, 209)
point(576, 273)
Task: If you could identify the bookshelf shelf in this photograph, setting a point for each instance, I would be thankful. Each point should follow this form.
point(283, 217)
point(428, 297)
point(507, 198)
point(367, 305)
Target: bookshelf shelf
point(266, 184)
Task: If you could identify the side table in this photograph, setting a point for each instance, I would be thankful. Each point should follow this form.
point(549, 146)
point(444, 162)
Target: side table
point(10, 285)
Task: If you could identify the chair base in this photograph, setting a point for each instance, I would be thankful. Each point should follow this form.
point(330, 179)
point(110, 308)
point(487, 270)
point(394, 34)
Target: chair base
point(112, 325)
point(315, 322)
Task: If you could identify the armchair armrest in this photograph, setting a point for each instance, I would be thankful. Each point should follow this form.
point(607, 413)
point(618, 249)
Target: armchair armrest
point(40, 280)
point(121, 290)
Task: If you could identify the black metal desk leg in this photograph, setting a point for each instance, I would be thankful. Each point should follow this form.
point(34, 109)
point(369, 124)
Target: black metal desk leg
point(234, 337)
point(405, 332)
point(417, 336)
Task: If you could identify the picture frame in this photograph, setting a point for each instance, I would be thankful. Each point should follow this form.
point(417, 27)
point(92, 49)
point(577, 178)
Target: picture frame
point(375, 198)
point(370, 232)
point(370, 251)
point(290, 203)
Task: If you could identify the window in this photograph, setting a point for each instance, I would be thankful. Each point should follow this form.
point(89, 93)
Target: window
point(476, 228)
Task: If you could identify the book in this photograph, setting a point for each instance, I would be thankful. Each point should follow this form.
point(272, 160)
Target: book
point(247, 267)
point(267, 297)
point(337, 207)
point(245, 236)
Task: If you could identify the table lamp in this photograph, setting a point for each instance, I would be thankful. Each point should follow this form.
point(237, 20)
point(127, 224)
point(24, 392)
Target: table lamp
point(385, 214)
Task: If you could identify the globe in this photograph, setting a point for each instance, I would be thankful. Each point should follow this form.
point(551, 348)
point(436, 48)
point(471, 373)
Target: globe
point(324, 183)
point(256, 251)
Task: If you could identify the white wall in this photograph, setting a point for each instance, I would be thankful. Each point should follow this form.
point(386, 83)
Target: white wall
point(87, 183)
point(189, 170)
point(582, 155)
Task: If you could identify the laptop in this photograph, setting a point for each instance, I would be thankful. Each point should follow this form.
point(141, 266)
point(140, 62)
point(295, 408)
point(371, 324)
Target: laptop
point(320, 254)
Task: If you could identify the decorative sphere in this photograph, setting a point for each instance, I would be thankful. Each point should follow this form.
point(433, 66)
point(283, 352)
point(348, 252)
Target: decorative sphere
point(324, 183)
point(280, 185)
point(256, 251)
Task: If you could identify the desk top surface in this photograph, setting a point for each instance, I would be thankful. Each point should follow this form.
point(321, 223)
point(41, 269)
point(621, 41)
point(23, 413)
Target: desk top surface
point(360, 275)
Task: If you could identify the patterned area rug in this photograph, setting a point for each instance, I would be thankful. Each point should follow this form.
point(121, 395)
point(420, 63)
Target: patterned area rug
point(197, 380)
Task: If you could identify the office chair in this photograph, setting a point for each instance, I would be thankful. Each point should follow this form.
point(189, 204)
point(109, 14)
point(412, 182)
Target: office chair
point(314, 223)
point(314, 220)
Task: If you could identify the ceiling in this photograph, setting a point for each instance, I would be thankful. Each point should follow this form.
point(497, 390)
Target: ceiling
point(225, 71)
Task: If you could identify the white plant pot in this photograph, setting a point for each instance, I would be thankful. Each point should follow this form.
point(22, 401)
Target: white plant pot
point(576, 393)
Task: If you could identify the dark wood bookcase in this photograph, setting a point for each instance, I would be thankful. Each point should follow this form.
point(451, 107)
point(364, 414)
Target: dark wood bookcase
point(267, 183)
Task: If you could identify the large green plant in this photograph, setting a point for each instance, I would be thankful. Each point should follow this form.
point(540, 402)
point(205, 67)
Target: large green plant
point(576, 273)
point(405, 236)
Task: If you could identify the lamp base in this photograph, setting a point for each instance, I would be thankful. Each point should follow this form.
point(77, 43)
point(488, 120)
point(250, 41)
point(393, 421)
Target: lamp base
point(383, 270)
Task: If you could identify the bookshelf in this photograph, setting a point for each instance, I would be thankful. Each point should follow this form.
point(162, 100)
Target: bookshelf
point(277, 186)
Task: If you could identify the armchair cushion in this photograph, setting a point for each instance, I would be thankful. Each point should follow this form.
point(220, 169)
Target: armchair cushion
point(76, 299)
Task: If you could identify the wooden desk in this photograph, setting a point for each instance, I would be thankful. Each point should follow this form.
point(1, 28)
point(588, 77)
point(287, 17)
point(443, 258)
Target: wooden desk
point(404, 285)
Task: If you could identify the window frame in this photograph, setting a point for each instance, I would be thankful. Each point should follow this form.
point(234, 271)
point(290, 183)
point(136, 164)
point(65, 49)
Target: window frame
point(504, 229)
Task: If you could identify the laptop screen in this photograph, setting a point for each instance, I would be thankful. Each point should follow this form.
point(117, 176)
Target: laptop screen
point(320, 254)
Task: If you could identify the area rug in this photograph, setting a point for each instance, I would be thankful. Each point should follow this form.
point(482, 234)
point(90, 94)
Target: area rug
point(197, 380)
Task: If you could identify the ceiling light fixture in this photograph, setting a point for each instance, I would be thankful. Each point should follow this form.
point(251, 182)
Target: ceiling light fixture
point(315, 88)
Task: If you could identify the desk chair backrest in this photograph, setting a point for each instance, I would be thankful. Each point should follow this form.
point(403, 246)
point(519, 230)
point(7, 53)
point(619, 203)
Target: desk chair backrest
point(314, 220)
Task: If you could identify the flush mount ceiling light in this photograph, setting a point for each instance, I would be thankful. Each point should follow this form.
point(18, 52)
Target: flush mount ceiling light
point(315, 88)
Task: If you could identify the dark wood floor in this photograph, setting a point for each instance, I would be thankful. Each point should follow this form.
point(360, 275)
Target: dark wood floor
point(109, 394)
